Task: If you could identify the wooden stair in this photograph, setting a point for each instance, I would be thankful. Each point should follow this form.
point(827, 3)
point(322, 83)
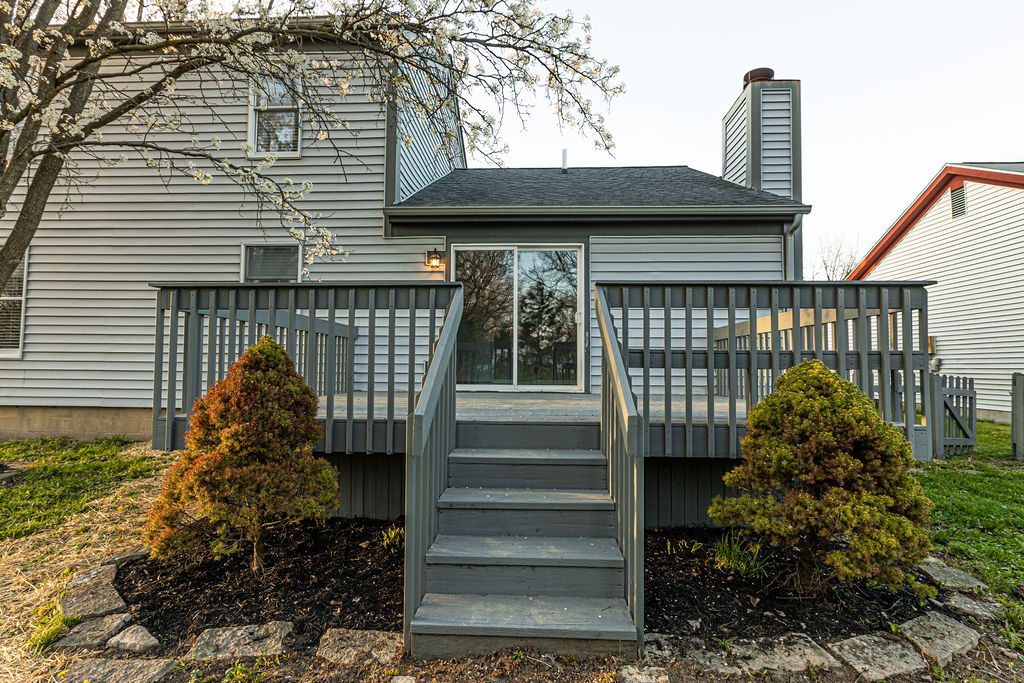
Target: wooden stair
point(524, 556)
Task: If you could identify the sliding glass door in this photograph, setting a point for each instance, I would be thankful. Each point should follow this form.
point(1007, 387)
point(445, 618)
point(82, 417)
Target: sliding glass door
point(521, 327)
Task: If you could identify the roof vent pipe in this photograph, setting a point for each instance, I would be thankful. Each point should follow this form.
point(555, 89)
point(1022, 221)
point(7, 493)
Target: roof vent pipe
point(565, 160)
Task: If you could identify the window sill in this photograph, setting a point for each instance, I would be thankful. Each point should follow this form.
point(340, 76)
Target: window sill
point(10, 354)
point(279, 155)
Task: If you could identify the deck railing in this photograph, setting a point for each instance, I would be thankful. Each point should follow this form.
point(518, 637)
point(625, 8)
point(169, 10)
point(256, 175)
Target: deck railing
point(431, 438)
point(702, 354)
point(362, 347)
point(622, 442)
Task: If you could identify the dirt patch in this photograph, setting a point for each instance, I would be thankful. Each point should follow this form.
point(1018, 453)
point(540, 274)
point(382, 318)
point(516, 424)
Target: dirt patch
point(335, 573)
point(684, 586)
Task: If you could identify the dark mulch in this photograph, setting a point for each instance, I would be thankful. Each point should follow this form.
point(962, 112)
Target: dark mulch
point(317, 576)
point(685, 586)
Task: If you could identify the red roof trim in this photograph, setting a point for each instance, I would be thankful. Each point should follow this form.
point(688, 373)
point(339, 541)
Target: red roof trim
point(951, 176)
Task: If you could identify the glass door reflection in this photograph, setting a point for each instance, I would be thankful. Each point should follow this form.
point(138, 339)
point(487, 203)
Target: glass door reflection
point(548, 302)
point(485, 339)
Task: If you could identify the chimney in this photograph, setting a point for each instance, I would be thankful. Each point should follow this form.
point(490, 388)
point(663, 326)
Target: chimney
point(761, 135)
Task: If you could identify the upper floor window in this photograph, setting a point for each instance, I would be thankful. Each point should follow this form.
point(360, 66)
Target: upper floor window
point(270, 263)
point(958, 200)
point(275, 124)
point(12, 313)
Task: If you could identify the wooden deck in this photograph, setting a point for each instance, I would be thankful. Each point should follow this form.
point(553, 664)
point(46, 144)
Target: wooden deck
point(512, 406)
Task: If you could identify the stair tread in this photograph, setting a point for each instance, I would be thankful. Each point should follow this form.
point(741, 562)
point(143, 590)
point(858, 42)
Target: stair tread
point(527, 456)
point(524, 616)
point(521, 499)
point(526, 551)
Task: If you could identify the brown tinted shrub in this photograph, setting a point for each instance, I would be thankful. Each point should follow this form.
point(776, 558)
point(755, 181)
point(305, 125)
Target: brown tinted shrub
point(248, 463)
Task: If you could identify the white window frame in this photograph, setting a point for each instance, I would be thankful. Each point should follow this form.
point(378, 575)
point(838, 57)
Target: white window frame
point(16, 354)
point(245, 245)
point(581, 307)
point(251, 134)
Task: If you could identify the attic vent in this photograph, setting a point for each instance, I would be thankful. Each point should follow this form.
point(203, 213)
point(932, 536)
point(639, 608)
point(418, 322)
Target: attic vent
point(959, 201)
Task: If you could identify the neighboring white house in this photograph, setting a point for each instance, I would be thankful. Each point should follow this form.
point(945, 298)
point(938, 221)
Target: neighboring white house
point(966, 231)
point(77, 324)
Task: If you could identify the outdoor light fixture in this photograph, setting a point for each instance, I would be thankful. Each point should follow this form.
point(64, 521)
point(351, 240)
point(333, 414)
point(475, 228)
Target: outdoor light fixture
point(434, 259)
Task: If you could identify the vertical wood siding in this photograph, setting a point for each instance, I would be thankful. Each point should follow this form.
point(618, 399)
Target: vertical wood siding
point(89, 311)
point(678, 491)
point(975, 309)
point(734, 143)
point(671, 259)
point(422, 156)
point(777, 141)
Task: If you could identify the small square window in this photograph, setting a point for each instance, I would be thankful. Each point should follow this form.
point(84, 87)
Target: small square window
point(275, 124)
point(271, 264)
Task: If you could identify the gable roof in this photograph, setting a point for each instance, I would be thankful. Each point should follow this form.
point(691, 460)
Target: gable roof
point(952, 176)
point(594, 188)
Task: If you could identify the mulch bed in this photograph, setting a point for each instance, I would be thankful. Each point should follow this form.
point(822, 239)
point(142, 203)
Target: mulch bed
point(334, 574)
point(685, 586)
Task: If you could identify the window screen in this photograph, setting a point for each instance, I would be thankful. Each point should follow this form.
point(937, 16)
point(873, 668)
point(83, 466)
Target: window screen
point(12, 301)
point(271, 263)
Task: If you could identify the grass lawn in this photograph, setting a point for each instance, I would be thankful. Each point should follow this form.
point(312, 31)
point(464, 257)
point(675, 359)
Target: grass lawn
point(66, 475)
point(979, 508)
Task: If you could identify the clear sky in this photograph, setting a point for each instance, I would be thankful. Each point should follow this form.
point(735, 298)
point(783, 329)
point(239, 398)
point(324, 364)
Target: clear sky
point(891, 91)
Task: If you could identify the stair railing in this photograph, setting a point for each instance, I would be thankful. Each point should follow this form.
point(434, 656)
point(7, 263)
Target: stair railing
point(622, 442)
point(430, 439)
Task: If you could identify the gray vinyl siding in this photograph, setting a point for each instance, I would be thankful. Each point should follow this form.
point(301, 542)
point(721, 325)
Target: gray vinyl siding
point(734, 143)
point(777, 141)
point(88, 337)
point(975, 309)
point(674, 259)
point(422, 154)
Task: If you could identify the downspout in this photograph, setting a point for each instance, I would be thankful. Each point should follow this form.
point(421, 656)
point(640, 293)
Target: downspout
point(794, 248)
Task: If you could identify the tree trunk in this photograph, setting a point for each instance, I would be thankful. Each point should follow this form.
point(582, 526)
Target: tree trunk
point(31, 213)
point(807, 566)
point(257, 555)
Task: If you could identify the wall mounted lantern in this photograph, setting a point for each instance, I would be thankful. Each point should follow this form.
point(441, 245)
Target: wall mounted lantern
point(435, 259)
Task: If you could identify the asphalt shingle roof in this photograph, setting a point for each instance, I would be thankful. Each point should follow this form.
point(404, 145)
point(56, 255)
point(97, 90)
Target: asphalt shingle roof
point(1015, 166)
point(615, 186)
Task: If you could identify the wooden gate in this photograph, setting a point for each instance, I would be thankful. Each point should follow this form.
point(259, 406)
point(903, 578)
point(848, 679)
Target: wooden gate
point(956, 426)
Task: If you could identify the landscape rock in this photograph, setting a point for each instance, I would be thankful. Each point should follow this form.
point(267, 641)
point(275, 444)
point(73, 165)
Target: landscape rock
point(118, 670)
point(266, 640)
point(940, 637)
point(789, 653)
point(951, 577)
point(92, 594)
point(979, 609)
point(643, 674)
point(138, 553)
point(349, 646)
point(708, 657)
point(403, 679)
point(659, 647)
point(94, 633)
point(878, 656)
point(135, 638)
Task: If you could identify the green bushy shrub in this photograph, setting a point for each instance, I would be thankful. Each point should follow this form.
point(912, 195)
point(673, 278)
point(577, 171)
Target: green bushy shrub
point(248, 462)
point(824, 475)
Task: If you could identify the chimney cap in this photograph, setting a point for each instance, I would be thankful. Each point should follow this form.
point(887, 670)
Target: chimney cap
point(761, 74)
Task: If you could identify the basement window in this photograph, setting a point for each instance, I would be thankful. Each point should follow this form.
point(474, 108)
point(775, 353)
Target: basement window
point(958, 201)
point(270, 263)
point(12, 313)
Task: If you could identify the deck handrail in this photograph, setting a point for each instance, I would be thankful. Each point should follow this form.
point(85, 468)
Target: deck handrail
point(431, 438)
point(703, 353)
point(622, 442)
point(356, 343)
